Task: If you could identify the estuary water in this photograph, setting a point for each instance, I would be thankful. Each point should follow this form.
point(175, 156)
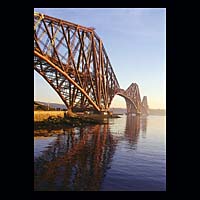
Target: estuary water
point(127, 154)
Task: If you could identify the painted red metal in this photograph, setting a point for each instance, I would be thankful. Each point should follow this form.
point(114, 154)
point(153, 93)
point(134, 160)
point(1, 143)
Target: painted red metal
point(73, 60)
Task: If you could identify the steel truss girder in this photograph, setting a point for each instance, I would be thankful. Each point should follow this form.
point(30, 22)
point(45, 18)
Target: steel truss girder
point(144, 106)
point(76, 53)
point(73, 60)
point(132, 98)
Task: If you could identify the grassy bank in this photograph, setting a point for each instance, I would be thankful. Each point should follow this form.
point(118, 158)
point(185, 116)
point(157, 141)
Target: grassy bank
point(63, 122)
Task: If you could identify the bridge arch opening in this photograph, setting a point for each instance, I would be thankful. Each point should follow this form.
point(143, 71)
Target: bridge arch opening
point(117, 103)
point(44, 92)
point(122, 101)
point(123, 105)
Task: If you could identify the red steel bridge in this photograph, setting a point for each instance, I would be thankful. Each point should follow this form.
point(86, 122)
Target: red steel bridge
point(73, 60)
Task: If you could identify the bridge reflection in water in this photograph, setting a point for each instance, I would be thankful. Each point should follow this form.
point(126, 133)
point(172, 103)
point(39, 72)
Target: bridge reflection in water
point(79, 157)
point(132, 129)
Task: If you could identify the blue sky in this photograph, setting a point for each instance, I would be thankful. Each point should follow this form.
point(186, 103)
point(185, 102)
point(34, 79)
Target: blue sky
point(135, 41)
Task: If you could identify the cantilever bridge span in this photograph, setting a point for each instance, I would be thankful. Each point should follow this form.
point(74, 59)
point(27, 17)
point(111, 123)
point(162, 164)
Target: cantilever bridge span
point(73, 60)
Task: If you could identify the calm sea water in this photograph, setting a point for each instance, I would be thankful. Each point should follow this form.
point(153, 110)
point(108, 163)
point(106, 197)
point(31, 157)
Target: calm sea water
point(128, 154)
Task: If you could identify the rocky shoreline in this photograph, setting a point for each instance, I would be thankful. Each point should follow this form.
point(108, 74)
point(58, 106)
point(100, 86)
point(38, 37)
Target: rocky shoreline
point(76, 121)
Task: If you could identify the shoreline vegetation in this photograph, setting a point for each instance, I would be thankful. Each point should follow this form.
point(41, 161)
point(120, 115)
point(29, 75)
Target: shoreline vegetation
point(72, 121)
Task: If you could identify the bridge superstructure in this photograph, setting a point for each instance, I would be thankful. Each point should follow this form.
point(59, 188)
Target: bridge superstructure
point(73, 60)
